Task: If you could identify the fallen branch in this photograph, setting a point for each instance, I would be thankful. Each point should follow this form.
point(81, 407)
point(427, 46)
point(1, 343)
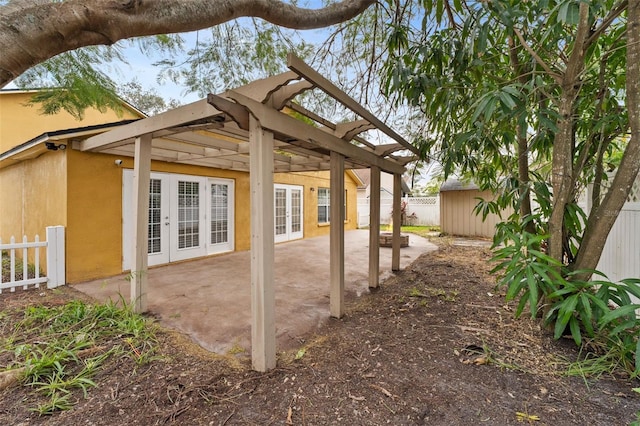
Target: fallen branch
point(383, 390)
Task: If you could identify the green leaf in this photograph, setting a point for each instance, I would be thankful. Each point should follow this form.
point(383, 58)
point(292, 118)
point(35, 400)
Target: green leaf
point(515, 286)
point(632, 285)
point(626, 325)
point(618, 313)
point(564, 314)
point(637, 364)
point(575, 330)
point(533, 293)
point(569, 12)
point(506, 100)
point(521, 304)
point(600, 304)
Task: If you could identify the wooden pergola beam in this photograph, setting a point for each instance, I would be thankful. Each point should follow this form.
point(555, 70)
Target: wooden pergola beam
point(296, 64)
point(263, 326)
point(286, 125)
point(348, 131)
point(185, 114)
point(262, 89)
point(140, 193)
point(336, 244)
point(374, 228)
point(387, 149)
point(397, 222)
point(281, 97)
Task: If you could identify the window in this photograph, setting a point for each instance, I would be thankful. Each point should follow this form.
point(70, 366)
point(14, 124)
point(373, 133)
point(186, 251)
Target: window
point(324, 205)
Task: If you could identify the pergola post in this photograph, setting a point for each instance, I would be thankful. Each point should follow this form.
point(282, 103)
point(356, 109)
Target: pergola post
point(336, 250)
point(263, 326)
point(141, 177)
point(374, 228)
point(397, 222)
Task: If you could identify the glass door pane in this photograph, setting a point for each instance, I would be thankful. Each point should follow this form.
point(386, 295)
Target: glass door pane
point(219, 213)
point(281, 211)
point(155, 216)
point(296, 210)
point(188, 214)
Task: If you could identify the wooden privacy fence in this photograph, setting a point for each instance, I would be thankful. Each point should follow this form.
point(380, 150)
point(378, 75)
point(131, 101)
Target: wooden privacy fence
point(21, 263)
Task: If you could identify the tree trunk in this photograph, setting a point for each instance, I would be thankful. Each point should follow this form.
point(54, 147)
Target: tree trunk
point(523, 178)
point(603, 217)
point(562, 160)
point(523, 146)
point(32, 31)
point(561, 172)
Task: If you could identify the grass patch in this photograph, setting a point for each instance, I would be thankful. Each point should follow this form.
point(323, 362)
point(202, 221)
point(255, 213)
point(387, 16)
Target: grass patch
point(601, 360)
point(62, 348)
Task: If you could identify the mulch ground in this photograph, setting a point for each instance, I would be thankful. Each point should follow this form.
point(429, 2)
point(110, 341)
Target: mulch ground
point(435, 345)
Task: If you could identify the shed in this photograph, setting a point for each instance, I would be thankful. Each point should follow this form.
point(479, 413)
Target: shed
point(458, 198)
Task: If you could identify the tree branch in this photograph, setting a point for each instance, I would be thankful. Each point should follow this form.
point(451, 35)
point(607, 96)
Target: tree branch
point(32, 31)
point(537, 57)
point(608, 20)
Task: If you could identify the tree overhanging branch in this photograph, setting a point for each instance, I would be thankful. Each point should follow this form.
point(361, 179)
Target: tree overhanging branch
point(32, 31)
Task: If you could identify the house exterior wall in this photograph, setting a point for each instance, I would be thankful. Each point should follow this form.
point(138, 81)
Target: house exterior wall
point(83, 191)
point(457, 216)
point(21, 123)
point(94, 234)
point(33, 196)
point(94, 223)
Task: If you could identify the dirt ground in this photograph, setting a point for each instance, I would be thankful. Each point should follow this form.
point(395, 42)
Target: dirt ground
point(436, 345)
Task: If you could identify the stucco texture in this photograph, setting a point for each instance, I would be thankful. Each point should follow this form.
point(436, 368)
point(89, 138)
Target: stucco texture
point(32, 197)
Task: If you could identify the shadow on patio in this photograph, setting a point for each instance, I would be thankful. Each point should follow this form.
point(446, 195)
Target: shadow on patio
point(209, 299)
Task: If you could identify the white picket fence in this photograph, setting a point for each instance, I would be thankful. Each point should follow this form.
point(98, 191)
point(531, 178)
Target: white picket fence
point(420, 211)
point(19, 252)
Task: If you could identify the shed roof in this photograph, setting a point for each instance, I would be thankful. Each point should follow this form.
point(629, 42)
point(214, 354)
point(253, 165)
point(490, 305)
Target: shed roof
point(454, 184)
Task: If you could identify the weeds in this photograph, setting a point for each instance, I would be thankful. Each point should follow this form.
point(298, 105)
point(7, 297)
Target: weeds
point(62, 348)
point(434, 292)
point(5, 268)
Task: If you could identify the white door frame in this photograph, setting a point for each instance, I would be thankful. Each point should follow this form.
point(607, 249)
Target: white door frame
point(187, 216)
point(290, 216)
point(169, 215)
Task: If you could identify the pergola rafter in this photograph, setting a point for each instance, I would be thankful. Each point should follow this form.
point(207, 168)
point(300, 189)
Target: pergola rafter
point(251, 129)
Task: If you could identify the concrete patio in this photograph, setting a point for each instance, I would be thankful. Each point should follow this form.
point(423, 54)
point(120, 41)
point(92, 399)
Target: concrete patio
point(209, 299)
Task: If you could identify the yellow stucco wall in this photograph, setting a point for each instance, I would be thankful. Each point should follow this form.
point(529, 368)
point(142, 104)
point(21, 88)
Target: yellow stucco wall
point(32, 197)
point(94, 230)
point(94, 233)
point(21, 122)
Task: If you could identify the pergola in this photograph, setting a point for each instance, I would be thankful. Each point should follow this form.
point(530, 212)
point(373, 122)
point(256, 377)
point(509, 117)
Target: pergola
point(246, 129)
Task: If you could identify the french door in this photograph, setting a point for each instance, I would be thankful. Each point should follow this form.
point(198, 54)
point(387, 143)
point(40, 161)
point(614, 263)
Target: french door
point(288, 214)
point(189, 216)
